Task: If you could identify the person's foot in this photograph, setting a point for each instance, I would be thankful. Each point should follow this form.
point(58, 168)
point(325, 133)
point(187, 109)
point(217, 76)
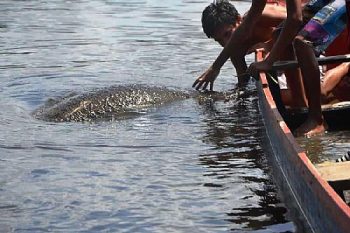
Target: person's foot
point(311, 128)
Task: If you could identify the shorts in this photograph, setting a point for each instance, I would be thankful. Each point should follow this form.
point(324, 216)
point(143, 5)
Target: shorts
point(327, 23)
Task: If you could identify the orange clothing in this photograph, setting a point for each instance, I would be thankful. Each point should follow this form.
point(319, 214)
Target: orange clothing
point(338, 47)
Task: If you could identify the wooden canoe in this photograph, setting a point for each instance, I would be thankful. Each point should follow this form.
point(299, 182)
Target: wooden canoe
point(306, 189)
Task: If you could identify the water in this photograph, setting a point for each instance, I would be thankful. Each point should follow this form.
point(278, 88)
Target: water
point(326, 148)
point(188, 166)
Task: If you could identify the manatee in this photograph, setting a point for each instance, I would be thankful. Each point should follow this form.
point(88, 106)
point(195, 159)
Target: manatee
point(116, 102)
point(107, 103)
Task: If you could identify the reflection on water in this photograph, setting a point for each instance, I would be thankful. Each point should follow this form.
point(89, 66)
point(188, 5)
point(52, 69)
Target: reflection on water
point(239, 161)
point(195, 165)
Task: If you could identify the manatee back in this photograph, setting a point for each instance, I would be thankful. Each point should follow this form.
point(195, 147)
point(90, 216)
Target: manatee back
point(108, 103)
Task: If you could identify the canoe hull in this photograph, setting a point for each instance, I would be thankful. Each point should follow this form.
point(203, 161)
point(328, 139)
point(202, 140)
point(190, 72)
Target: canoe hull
point(321, 208)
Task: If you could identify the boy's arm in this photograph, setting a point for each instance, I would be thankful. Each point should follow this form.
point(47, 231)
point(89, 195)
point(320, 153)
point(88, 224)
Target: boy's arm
point(238, 60)
point(286, 37)
point(243, 31)
point(272, 16)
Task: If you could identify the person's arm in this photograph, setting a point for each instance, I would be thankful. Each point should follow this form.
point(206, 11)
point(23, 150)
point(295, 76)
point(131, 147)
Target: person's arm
point(243, 31)
point(270, 19)
point(272, 16)
point(238, 61)
point(288, 33)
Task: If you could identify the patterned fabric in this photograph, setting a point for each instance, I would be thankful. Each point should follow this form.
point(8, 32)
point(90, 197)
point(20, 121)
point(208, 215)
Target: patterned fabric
point(329, 21)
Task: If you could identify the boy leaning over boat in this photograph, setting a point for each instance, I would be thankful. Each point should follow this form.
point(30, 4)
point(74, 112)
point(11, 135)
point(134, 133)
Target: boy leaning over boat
point(220, 20)
point(235, 41)
point(327, 21)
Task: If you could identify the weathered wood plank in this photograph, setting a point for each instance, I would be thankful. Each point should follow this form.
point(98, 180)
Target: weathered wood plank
point(334, 171)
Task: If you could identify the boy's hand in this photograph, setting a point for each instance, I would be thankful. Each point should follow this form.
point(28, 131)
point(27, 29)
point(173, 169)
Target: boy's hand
point(208, 77)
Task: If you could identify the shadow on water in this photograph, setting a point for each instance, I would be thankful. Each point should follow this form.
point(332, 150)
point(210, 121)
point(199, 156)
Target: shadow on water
point(237, 158)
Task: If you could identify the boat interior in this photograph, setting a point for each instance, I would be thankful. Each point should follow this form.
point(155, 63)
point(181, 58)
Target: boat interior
point(337, 174)
point(337, 116)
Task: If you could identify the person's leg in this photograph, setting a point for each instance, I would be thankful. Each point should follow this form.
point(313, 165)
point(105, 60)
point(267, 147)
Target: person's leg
point(294, 76)
point(314, 124)
point(294, 81)
point(313, 39)
point(294, 95)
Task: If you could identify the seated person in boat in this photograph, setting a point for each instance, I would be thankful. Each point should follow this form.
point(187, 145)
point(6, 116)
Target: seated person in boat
point(335, 86)
point(309, 42)
point(220, 20)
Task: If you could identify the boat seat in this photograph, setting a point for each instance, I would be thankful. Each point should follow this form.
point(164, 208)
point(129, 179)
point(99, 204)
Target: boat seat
point(338, 176)
point(332, 171)
point(341, 104)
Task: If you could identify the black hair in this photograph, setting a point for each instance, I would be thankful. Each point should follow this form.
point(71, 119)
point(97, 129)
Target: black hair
point(218, 13)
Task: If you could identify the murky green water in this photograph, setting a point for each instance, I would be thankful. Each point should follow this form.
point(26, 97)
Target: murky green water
point(328, 147)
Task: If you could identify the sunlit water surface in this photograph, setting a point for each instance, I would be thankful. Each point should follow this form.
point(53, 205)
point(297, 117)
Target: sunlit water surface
point(188, 166)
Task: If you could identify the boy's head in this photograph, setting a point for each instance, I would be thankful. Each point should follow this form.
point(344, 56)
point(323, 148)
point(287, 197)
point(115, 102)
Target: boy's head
point(220, 16)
